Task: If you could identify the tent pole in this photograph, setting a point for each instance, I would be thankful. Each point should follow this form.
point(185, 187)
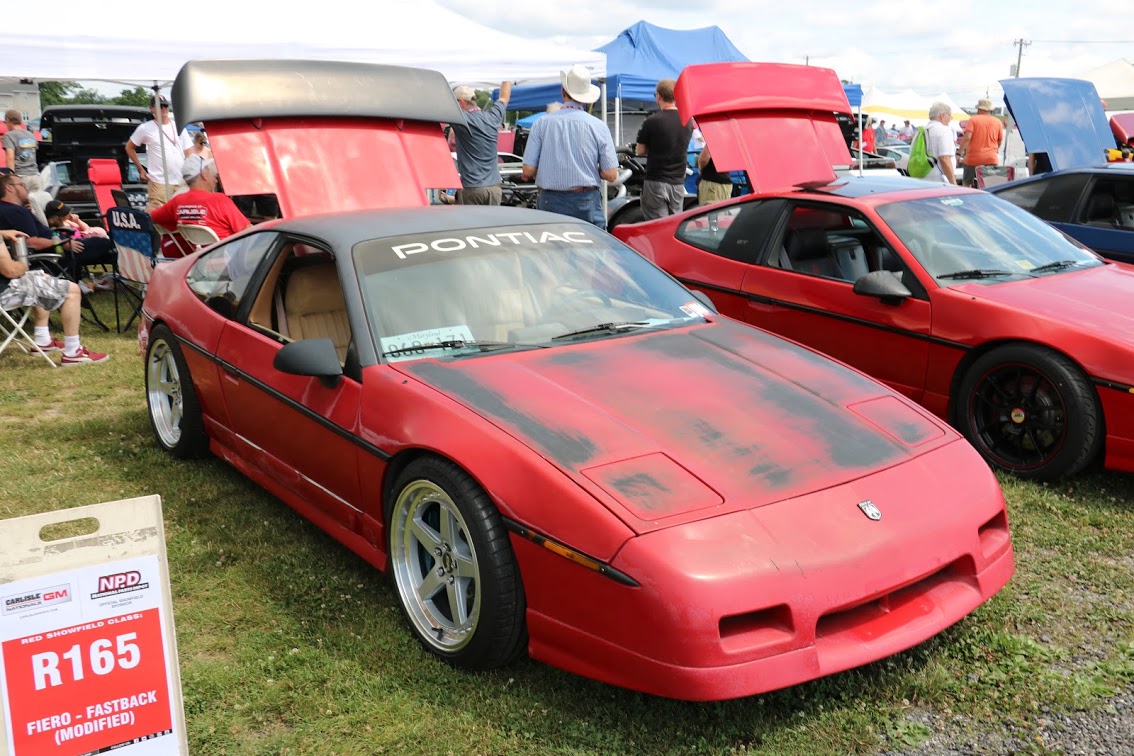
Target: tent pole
point(603, 184)
point(161, 139)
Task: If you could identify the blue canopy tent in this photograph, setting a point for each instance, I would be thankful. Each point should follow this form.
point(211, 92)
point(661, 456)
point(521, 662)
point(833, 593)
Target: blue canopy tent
point(636, 59)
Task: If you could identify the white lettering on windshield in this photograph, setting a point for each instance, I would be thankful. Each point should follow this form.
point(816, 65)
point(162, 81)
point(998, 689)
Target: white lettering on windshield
point(456, 243)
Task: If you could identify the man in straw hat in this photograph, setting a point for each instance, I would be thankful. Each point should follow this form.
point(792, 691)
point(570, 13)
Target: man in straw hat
point(980, 144)
point(570, 153)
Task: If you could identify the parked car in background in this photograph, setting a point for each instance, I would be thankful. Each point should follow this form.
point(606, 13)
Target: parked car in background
point(1020, 337)
point(551, 445)
point(79, 133)
point(1093, 204)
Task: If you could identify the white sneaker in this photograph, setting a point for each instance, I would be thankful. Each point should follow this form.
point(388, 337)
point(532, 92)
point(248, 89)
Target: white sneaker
point(85, 288)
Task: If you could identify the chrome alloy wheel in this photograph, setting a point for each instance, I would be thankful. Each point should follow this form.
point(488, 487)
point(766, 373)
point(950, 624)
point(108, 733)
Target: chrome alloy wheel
point(435, 566)
point(163, 391)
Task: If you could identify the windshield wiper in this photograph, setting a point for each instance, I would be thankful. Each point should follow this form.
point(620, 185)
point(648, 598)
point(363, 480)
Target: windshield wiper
point(1057, 265)
point(484, 346)
point(979, 273)
point(624, 325)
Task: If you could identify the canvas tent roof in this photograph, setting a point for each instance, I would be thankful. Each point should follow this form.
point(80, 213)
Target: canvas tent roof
point(906, 104)
point(638, 57)
point(1114, 82)
point(418, 33)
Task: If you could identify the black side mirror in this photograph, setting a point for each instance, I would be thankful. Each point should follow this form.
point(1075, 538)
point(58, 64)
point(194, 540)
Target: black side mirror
point(314, 357)
point(883, 284)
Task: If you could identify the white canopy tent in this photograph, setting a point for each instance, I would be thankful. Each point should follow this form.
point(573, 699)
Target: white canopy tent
point(419, 33)
point(1114, 82)
point(896, 107)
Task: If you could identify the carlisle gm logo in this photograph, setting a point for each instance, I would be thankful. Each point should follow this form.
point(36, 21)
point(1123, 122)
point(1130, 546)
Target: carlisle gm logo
point(56, 594)
point(870, 510)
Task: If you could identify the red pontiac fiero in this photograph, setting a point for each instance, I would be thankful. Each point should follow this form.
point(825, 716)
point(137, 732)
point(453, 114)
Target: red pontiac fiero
point(550, 444)
point(1018, 335)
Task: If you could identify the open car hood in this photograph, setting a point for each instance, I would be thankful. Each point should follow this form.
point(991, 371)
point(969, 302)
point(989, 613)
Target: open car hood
point(1061, 117)
point(774, 120)
point(323, 136)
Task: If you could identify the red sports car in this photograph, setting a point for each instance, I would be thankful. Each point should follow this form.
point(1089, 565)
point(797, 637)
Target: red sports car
point(550, 444)
point(1019, 336)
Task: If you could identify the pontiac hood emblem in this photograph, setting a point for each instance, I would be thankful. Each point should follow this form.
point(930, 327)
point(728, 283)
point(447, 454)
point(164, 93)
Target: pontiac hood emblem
point(870, 510)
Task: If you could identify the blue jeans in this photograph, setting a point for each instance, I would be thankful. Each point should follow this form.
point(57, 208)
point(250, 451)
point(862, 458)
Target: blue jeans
point(582, 205)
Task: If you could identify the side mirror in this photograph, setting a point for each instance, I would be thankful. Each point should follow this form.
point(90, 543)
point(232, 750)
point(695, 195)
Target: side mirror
point(884, 285)
point(314, 357)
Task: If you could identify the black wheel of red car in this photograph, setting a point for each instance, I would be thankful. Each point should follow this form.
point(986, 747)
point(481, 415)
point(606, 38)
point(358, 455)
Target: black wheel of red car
point(453, 567)
point(175, 413)
point(1030, 411)
point(629, 213)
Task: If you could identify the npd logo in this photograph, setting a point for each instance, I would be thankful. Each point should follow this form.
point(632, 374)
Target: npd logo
point(119, 582)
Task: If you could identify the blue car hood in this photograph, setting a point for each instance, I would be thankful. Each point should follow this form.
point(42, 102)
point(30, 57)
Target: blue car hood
point(1062, 117)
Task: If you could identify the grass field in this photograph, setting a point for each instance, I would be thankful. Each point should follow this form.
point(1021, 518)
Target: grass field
point(290, 644)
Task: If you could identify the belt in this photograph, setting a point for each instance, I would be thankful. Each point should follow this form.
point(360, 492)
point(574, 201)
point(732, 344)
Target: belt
point(575, 190)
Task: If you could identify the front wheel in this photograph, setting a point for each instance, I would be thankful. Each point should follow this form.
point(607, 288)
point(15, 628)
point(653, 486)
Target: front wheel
point(453, 567)
point(1030, 411)
point(175, 413)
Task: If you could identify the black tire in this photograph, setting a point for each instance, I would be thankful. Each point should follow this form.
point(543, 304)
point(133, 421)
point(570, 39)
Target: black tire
point(445, 535)
point(175, 413)
point(1030, 411)
point(628, 213)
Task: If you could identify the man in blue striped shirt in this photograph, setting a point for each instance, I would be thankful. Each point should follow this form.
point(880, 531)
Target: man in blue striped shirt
point(570, 152)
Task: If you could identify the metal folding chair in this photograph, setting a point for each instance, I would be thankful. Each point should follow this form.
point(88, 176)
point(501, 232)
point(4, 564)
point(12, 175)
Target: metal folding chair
point(13, 327)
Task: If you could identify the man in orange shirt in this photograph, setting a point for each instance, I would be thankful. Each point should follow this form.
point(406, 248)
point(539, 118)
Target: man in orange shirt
point(980, 144)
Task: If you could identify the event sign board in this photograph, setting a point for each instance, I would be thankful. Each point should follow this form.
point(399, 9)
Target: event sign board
point(88, 658)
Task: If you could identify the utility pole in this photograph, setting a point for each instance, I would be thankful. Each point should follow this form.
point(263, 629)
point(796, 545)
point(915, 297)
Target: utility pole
point(1020, 43)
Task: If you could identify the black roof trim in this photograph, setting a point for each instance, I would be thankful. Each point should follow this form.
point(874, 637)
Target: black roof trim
point(219, 90)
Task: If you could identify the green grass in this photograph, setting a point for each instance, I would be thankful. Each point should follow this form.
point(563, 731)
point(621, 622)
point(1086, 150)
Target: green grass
point(290, 644)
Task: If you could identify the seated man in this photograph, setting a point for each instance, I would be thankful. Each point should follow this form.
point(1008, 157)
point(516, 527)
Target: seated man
point(14, 214)
point(20, 287)
point(202, 205)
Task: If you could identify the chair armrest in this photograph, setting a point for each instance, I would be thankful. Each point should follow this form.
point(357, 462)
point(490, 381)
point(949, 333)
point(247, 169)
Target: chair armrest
point(45, 257)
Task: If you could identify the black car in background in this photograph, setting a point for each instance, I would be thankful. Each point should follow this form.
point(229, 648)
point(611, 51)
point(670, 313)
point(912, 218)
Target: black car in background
point(79, 133)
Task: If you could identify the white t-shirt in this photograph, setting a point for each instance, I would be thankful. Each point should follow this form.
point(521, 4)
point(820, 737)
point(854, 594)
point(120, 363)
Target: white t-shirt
point(175, 146)
point(939, 140)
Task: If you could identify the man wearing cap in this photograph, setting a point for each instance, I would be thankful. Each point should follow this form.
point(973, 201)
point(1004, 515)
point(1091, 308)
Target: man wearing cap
point(476, 143)
point(202, 205)
point(980, 144)
point(907, 132)
point(665, 141)
point(570, 153)
point(165, 154)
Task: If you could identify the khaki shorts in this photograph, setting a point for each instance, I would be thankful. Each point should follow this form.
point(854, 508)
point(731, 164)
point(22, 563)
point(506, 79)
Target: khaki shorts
point(710, 192)
point(157, 196)
point(480, 195)
point(35, 288)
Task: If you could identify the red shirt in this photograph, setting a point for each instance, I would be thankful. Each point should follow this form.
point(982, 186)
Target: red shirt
point(200, 208)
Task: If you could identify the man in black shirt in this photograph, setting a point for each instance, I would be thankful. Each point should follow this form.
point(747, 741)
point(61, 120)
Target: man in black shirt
point(665, 141)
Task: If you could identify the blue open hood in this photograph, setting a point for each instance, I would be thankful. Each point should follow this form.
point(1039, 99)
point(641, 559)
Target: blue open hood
point(1062, 117)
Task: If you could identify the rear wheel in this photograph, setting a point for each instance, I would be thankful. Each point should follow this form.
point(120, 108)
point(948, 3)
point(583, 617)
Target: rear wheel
point(175, 413)
point(630, 213)
point(454, 568)
point(1030, 411)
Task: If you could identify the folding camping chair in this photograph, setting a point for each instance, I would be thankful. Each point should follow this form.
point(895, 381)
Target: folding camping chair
point(132, 232)
point(13, 322)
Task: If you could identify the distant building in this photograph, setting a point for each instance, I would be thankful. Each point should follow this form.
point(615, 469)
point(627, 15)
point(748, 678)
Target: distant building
point(22, 95)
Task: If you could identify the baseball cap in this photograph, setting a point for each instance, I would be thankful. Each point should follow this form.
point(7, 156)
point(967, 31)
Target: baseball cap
point(193, 167)
point(56, 208)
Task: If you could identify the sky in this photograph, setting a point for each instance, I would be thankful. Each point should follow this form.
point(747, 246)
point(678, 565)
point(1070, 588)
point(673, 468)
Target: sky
point(960, 47)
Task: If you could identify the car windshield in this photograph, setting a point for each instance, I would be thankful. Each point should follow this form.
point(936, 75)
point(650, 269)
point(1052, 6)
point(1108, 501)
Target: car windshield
point(486, 290)
point(979, 237)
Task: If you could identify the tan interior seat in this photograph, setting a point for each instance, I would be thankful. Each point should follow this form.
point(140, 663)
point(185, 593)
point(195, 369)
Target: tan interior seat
point(315, 308)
